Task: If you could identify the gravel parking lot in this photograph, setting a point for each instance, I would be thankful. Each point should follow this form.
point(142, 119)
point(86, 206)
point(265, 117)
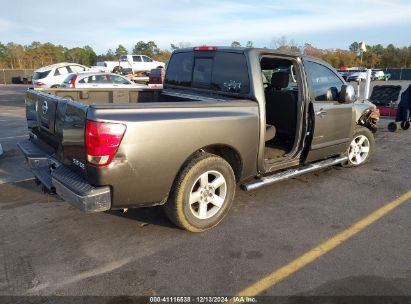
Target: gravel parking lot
point(48, 247)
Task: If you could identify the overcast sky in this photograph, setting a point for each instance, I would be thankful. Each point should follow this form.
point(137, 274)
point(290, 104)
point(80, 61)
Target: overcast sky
point(105, 24)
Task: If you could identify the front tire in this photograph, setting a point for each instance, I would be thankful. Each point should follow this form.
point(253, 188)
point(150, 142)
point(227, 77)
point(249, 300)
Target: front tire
point(202, 193)
point(361, 148)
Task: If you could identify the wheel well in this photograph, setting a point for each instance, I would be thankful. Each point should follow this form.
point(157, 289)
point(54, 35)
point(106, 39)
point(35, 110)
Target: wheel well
point(229, 155)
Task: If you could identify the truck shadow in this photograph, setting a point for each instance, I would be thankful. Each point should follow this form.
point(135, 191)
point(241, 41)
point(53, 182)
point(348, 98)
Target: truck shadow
point(145, 216)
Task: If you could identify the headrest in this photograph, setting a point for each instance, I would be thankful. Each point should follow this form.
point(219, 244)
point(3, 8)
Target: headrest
point(279, 80)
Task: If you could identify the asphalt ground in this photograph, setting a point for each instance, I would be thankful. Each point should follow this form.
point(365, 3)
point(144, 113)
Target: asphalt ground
point(48, 247)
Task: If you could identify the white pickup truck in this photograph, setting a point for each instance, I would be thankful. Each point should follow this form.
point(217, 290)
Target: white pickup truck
point(131, 64)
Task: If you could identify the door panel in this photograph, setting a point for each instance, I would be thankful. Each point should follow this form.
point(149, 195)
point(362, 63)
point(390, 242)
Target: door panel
point(332, 120)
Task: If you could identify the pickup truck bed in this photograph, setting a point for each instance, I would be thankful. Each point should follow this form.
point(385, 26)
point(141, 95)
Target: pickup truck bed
point(153, 129)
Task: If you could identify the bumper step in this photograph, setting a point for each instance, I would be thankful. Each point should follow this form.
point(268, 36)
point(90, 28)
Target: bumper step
point(67, 184)
point(72, 181)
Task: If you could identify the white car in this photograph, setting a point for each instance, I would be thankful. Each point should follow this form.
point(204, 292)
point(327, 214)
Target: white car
point(131, 64)
point(52, 76)
point(90, 80)
point(357, 75)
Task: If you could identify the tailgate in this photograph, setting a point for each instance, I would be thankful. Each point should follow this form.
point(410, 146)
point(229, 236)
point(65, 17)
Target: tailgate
point(58, 124)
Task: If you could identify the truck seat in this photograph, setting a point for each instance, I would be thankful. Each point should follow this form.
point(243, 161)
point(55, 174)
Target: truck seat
point(281, 106)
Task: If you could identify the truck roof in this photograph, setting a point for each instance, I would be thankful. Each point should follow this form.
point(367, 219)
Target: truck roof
point(258, 51)
point(246, 50)
point(56, 65)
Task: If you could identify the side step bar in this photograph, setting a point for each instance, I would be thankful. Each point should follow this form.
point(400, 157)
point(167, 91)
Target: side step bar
point(283, 175)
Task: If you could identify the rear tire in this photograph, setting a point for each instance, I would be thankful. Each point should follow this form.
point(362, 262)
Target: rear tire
point(361, 148)
point(202, 194)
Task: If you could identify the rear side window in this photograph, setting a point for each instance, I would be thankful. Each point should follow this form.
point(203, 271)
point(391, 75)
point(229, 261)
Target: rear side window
point(61, 71)
point(147, 59)
point(119, 80)
point(219, 71)
point(137, 58)
point(41, 75)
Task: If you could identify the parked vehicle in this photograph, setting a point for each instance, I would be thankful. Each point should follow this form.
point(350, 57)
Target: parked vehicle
point(218, 122)
point(98, 80)
point(380, 75)
point(52, 76)
point(357, 75)
point(129, 64)
point(156, 78)
point(344, 73)
point(385, 98)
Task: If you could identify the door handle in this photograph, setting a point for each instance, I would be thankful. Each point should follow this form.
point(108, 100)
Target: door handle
point(321, 113)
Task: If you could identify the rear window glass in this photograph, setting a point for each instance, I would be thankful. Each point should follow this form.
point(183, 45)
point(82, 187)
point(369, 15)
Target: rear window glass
point(41, 75)
point(230, 73)
point(219, 71)
point(180, 69)
point(202, 71)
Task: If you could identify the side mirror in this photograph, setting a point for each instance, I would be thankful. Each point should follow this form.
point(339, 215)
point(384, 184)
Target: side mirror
point(347, 94)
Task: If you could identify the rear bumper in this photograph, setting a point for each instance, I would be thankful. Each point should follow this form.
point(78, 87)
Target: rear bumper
point(59, 179)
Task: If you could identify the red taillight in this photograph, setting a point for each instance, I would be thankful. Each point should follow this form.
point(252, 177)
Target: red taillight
point(102, 141)
point(205, 48)
point(73, 81)
point(39, 83)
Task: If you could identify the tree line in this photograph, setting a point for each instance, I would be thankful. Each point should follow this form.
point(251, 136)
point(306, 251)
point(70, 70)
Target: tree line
point(37, 54)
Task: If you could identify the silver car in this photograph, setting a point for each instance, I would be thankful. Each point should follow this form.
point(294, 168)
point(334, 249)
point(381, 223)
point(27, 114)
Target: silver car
point(90, 80)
